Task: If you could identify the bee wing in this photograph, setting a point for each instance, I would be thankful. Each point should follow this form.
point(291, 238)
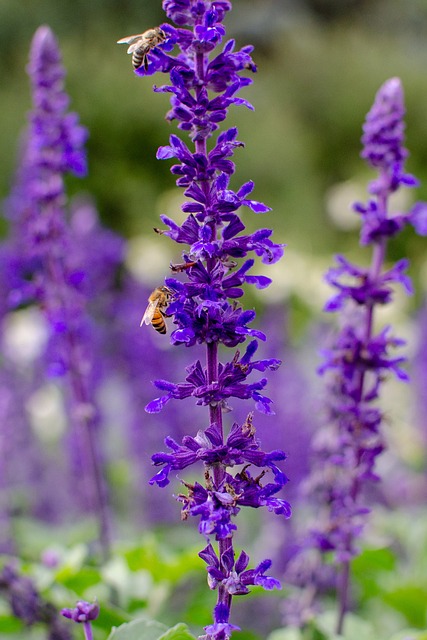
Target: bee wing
point(130, 39)
point(134, 47)
point(149, 312)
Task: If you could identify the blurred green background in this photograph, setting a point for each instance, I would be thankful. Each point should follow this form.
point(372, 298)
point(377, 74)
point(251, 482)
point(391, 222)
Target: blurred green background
point(320, 64)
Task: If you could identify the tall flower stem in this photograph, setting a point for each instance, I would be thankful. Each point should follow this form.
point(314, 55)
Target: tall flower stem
point(215, 410)
point(377, 265)
point(82, 408)
point(86, 423)
point(52, 270)
point(343, 594)
point(204, 307)
point(219, 470)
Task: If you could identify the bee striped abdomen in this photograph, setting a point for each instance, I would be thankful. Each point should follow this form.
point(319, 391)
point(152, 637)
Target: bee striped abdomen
point(155, 311)
point(138, 58)
point(141, 44)
point(158, 322)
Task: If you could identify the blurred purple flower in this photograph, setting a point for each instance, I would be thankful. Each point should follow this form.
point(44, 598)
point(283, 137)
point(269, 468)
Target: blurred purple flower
point(359, 360)
point(46, 256)
point(83, 613)
point(28, 605)
point(419, 374)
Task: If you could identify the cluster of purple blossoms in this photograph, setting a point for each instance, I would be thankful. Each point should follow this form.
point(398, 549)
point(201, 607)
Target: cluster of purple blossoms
point(44, 257)
point(204, 84)
point(29, 606)
point(361, 356)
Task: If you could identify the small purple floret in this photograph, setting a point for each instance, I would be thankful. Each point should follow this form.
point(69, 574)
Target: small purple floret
point(83, 611)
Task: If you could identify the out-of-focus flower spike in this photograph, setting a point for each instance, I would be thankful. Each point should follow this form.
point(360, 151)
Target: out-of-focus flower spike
point(50, 257)
point(359, 360)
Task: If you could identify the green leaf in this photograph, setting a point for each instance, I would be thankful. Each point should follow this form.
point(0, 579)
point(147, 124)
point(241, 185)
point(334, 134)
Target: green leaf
point(367, 568)
point(411, 600)
point(80, 581)
point(373, 560)
point(141, 629)
point(10, 624)
point(245, 635)
point(161, 562)
point(178, 632)
point(110, 617)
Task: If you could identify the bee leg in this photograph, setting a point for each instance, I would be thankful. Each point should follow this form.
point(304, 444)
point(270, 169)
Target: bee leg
point(146, 62)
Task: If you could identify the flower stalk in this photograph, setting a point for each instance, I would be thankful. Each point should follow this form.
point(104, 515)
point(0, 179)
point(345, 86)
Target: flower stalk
point(360, 359)
point(49, 275)
point(204, 303)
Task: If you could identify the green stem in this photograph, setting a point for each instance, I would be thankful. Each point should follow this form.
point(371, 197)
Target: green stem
point(377, 262)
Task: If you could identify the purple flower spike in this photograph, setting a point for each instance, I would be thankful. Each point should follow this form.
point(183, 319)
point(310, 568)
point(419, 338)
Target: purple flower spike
point(383, 130)
point(56, 129)
point(383, 139)
point(206, 77)
point(27, 604)
point(46, 258)
point(360, 359)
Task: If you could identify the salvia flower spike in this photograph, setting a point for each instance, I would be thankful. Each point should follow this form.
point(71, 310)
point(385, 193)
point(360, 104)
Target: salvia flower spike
point(48, 272)
point(28, 605)
point(362, 356)
point(206, 77)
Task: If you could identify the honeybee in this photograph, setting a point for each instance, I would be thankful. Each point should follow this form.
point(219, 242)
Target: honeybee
point(141, 45)
point(155, 311)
